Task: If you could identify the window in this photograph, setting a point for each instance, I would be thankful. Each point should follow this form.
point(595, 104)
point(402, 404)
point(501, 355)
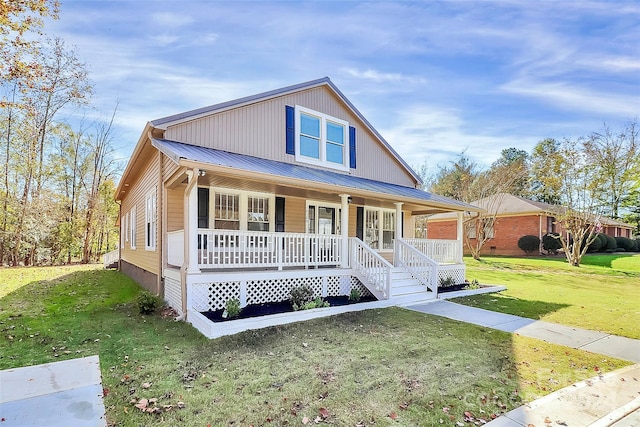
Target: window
point(123, 231)
point(379, 235)
point(227, 211)
point(257, 213)
point(388, 229)
point(126, 228)
point(482, 227)
point(321, 139)
point(132, 228)
point(150, 220)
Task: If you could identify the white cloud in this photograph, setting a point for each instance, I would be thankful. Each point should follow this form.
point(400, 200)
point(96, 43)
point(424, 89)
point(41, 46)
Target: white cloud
point(570, 96)
point(171, 19)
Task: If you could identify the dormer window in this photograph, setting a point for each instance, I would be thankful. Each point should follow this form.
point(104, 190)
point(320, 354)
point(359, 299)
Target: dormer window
point(321, 139)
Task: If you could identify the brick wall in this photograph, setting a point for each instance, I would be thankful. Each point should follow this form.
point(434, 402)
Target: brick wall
point(507, 231)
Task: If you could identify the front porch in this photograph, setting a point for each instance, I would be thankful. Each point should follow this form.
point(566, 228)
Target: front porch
point(262, 267)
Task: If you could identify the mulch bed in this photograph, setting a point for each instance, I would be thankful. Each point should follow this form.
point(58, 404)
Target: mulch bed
point(256, 310)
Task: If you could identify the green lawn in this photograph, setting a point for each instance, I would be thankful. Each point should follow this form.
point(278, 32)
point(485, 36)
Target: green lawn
point(363, 368)
point(602, 294)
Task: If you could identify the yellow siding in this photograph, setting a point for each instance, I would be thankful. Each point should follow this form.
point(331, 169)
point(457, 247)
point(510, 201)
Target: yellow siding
point(294, 215)
point(137, 191)
point(175, 209)
point(259, 130)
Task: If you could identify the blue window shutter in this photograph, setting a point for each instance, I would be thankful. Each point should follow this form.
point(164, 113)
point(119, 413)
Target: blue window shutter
point(291, 133)
point(352, 147)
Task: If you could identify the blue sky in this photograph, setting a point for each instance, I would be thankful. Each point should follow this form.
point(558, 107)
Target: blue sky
point(434, 78)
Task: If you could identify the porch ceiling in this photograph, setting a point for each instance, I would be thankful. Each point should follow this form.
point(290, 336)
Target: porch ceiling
point(232, 170)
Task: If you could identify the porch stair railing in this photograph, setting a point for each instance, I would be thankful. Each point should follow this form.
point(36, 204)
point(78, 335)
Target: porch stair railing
point(421, 267)
point(370, 268)
point(110, 259)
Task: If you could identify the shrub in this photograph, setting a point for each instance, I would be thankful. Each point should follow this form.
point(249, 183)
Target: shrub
point(446, 282)
point(637, 245)
point(231, 308)
point(355, 295)
point(598, 243)
point(625, 243)
point(147, 302)
point(316, 303)
point(551, 243)
point(530, 244)
point(611, 243)
point(300, 295)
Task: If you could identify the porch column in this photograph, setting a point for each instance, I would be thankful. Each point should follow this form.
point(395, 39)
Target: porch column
point(191, 222)
point(344, 227)
point(459, 237)
point(399, 230)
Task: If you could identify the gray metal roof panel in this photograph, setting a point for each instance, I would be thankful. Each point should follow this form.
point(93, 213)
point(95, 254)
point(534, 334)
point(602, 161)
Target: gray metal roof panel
point(177, 150)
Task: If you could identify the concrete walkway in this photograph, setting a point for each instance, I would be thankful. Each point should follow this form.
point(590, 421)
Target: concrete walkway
point(612, 399)
point(59, 394)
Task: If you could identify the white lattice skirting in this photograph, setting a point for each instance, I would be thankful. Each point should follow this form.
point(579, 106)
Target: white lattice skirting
point(455, 271)
point(211, 291)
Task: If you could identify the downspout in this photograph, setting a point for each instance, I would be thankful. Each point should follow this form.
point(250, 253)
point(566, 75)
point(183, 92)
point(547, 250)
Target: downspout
point(193, 181)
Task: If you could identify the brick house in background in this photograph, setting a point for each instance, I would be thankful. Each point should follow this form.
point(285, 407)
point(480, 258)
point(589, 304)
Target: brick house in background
point(516, 217)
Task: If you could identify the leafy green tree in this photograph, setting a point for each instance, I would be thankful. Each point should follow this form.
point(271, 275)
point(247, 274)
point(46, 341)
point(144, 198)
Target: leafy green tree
point(616, 157)
point(545, 171)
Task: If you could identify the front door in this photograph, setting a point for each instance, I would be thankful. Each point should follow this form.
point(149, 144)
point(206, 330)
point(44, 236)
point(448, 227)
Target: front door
point(323, 219)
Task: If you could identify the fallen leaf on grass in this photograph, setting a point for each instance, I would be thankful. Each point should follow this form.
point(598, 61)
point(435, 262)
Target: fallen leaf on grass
point(393, 415)
point(324, 413)
point(146, 385)
point(305, 420)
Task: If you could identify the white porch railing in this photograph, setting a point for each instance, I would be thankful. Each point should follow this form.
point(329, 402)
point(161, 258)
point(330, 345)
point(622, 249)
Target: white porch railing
point(233, 249)
point(441, 251)
point(370, 268)
point(421, 267)
point(111, 257)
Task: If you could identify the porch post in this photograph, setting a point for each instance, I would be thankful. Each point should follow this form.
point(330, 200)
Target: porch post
point(399, 230)
point(459, 236)
point(191, 222)
point(344, 228)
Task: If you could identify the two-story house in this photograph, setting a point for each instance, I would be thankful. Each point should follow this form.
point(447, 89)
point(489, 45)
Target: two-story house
point(249, 198)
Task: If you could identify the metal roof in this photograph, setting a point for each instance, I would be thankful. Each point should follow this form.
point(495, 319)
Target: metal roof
point(164, 122)
point(177, 151)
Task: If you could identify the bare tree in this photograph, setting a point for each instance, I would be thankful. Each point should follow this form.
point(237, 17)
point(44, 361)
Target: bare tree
point(102, 168)
point(580, 212)
point(464, 181)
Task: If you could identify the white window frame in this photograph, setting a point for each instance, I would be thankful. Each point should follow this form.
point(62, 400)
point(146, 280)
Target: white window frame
point(381, 229)
point(150, 220)
point(324, 119)
point(133, 228)
point(123, 231)
point(126, 227)
point(243, 206)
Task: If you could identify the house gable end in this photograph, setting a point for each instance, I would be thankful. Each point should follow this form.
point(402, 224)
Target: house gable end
point(257, 126)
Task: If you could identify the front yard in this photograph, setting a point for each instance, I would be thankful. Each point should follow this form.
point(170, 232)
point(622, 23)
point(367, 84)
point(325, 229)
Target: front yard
point(603, 294)
point(377, 367)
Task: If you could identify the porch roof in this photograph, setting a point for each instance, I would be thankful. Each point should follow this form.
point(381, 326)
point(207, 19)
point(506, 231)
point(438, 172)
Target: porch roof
point(178, 151)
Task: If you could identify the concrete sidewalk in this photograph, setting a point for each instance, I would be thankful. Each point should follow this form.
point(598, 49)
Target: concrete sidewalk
point(612, 399)
point(583, 339)
point(66, 393)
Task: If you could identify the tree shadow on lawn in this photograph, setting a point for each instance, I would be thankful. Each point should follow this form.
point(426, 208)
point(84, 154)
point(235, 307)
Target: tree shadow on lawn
point(530, 309)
